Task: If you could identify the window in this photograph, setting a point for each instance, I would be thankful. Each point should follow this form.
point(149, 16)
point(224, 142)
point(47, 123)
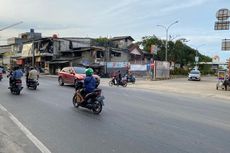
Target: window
point(194, 72)
point(77, 54)
point(65, 70)
point(79, 70)
point(100, 54)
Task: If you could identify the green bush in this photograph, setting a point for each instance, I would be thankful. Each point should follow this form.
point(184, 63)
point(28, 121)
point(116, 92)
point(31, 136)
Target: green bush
point(179, 71)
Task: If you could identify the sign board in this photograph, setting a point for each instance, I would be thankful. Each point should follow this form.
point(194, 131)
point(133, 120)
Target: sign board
point(222, 14)
point(196, 58)
point(225, 44)
point(222, 25)
point(153, 49)
point(221, 75)
point(214, 66)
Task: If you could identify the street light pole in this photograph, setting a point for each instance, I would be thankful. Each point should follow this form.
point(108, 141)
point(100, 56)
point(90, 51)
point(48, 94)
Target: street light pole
point(166, 44)
point(197, 58)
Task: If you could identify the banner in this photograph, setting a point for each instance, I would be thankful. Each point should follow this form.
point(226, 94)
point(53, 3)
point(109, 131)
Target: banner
point(27, 50)
point(138, 67)
point(153, 49)
point(117, 64)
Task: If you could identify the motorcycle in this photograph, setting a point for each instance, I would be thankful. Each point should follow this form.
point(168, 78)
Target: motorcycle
point(130, 78)
point(31, 83)
point(16, 86)
point(114, 82)
point(92, 101)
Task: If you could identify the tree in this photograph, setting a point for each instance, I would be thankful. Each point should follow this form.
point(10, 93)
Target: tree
point(103, 42)
point(178, 52)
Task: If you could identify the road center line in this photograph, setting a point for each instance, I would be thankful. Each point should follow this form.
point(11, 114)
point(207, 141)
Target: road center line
point(36, 142)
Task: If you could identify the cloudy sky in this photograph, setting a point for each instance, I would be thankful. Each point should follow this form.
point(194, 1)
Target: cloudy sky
point(109, 18)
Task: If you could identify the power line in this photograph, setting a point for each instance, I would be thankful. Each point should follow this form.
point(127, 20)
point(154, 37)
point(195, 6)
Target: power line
point(11, 25)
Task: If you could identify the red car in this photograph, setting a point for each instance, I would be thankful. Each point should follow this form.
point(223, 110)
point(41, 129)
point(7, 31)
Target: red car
point(71, 75)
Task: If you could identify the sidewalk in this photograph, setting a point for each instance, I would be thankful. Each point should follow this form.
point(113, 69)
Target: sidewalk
point(204, 88)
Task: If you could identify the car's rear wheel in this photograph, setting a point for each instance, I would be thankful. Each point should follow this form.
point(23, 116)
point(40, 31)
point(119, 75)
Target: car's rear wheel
point(60, 81)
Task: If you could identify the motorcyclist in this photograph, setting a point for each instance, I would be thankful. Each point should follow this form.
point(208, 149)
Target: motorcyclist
point(1, 72)
point(16, 74)
point(118, 77)
point(89, 81)
point(33, 74)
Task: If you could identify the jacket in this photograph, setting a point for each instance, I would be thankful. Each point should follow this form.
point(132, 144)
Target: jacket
point(89, 84)
point(17, 74)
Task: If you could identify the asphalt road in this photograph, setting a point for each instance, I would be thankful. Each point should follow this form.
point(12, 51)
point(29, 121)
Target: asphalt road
point(132, 121)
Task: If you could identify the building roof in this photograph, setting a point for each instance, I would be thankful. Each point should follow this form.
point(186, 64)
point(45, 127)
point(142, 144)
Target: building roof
point(122, 37)
point(134, 46)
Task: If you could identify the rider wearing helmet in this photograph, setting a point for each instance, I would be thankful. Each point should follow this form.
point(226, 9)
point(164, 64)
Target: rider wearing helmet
point(89, 81)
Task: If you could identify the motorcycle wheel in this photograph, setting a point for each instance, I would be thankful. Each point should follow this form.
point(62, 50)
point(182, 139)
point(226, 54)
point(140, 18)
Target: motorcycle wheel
point(125, 84)
point(11, 90)
point(111, 83)
point(75, 104)
point(97, 107)
point(35, 87)
point(18, 92)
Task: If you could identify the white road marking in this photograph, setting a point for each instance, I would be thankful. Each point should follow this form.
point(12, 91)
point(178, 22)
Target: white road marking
point(36, 142)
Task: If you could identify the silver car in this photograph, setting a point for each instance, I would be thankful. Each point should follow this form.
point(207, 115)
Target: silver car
point(194, 75)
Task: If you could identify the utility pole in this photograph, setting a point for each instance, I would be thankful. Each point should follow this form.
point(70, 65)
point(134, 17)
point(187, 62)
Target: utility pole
point(33, 54)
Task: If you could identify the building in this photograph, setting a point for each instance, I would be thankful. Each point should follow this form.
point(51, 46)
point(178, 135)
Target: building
point(51, 54)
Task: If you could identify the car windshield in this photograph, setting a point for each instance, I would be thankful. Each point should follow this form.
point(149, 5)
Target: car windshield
point(194, 72)
point(79, 70)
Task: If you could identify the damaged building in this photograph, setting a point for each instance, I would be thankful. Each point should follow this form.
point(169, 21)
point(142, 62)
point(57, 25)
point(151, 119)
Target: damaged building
point(51, 54)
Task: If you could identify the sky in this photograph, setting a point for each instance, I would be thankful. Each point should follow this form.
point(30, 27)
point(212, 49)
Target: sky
point(110, 18)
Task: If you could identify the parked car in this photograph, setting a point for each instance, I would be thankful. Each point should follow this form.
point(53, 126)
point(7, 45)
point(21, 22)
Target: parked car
point(71, 75)
point(194, 75)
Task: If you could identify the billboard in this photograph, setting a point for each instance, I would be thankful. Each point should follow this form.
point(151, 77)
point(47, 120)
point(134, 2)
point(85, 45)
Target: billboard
point(162, 70)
